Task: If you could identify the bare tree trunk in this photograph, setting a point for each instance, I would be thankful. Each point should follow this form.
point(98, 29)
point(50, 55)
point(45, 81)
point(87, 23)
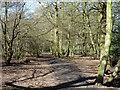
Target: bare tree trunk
point(105, 55)
point(4, 33)
point(103, 27)
point(115, 73)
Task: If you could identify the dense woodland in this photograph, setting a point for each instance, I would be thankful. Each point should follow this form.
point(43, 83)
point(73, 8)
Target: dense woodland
point(63, 29)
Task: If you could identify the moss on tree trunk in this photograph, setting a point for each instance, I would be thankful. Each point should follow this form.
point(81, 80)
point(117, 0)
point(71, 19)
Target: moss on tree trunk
point(105, 53)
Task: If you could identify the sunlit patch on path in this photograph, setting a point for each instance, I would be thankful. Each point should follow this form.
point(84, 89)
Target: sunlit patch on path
point(49, 72)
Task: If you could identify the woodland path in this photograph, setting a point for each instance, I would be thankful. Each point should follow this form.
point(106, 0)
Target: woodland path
point(47, 72)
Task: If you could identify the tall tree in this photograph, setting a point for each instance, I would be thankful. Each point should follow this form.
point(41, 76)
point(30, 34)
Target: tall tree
point(56, 31)
point(102, 18)
point(10, 35)
point(105, 55)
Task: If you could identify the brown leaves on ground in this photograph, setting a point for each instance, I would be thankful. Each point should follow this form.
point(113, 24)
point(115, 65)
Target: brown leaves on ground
point(47, 72)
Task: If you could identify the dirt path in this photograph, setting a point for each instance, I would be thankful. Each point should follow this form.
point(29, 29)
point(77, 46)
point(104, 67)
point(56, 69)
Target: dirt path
point(49, 73)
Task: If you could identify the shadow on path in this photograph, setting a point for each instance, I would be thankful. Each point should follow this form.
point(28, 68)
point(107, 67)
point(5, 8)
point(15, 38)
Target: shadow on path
point(68, 75)
point(60, 86)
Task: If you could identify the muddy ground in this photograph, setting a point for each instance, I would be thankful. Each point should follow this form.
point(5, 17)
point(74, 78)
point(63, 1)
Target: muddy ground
point(47, 72)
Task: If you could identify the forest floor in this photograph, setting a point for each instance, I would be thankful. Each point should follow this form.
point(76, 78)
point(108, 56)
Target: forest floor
point(47, 72)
